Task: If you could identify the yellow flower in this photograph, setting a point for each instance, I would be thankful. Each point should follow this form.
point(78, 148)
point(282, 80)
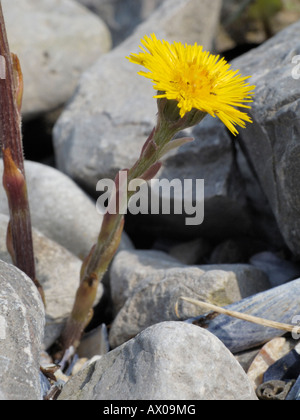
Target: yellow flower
point(196, 79)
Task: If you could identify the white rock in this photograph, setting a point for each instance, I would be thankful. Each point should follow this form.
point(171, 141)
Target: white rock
point(168, 361)
point(56, 40)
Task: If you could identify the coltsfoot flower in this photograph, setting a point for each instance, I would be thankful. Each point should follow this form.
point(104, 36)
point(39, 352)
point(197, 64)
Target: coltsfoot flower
point(196, 79)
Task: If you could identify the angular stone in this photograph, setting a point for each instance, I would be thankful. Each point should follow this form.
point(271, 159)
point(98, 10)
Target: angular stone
point(21, 334)
point(58, 271)
point(271, 143)
point(146, 286)
point(69, 40)
point(168, 361)
point(90, 135)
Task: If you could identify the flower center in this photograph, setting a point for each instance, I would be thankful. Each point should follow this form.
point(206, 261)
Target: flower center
point(193, 80)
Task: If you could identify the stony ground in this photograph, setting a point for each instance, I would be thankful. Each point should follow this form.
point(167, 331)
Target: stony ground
point(145, 343)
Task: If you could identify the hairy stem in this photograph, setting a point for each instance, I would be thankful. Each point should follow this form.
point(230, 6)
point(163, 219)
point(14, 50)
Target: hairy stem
point(101, 255)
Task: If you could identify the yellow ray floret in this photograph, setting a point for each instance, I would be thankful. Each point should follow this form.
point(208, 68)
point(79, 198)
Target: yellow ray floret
point(196, 79)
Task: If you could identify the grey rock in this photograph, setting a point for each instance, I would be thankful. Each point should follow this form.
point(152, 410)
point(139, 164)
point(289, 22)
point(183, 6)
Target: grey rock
point(265, 225)
point(55, 41)
point(278, 270)
point(191, 252)
point(168, 361)
point(129, 269)
point(122, 16)
point(60, 209)
point(280, 304)
point(58, 271)
point(146, 288)
point(21, 334)
point(113, 106)
point(271, 143)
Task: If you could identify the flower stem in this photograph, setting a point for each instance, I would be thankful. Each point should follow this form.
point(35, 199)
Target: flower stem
point(101, 255)
point(146, 168)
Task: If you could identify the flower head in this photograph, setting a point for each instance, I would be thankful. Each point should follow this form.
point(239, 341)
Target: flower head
point(196, 79)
